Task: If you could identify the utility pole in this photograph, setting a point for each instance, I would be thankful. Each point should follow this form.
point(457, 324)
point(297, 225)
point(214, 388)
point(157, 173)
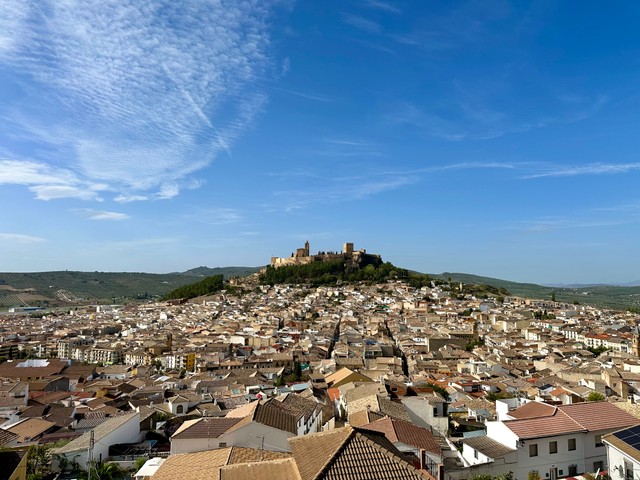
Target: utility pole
point(261, 437)
point(90, 455)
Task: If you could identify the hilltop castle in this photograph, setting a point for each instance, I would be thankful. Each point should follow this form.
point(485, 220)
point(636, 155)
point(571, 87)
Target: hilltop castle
point(301, 256)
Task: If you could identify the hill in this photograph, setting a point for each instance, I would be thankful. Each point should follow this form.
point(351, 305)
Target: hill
point(226, 272)
point(61, 288)
point(206, 286)
point(606, 296)
point(369, 269)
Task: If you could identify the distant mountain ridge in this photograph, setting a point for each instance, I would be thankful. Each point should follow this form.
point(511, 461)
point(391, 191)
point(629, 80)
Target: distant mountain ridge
point(227, 272)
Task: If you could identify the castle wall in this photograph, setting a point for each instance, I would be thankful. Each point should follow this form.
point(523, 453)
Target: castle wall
point(302, 257)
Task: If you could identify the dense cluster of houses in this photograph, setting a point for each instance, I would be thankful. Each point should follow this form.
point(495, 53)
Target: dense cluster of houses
point(351, 381)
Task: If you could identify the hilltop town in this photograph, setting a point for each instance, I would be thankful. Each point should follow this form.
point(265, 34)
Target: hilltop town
point(329, 381)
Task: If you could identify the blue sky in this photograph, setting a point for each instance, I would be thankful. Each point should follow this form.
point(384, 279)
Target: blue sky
point(485, 137)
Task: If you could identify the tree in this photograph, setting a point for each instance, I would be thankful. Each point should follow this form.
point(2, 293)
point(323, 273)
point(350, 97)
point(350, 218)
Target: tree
point(38, 462)
point(553, 296)
point(493, 396)
point(595, 397)
point(104, 471)
point(502, 476)
point(140, 463)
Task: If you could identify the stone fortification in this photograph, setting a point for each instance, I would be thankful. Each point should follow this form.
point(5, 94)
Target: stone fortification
point(302, 257)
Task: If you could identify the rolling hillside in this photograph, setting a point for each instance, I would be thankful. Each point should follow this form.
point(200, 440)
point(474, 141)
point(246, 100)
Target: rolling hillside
point(68, 287)
point(606, 296)
point(62, 288)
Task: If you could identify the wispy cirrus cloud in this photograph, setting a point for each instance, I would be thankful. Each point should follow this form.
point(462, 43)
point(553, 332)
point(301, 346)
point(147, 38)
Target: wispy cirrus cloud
point(138, 95)
point(322, 187)
point(362, 23)
point(589, 169)
point(20, 238)
point(459, 118)
point(309, 96)
point(386, 7)
point(215, 216)
point(326, 189)
point(550, 224)
point(92, 214)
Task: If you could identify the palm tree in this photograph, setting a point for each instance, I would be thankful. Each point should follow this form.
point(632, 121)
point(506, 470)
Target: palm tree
point(104, 471)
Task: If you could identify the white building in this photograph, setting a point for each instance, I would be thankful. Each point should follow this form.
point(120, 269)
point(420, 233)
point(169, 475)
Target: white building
point(623, 453)
point(554, 441)
point(120, 429)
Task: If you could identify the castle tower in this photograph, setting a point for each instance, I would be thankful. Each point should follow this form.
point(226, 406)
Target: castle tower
point(635, 343)
point(347, 249)
point(306, 248)
point(169, 342)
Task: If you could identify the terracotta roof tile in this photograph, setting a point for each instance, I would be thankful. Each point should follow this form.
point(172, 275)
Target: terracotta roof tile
point(7, 437)
point(348, 453)
point(211, 464)
point(283, 469)
point(599, 415)
point(275, 415)
point(205, 427)
point(31, 428)
point(246, 455)
point(193, 466)
point(312, 452)
point(400, 431)
point(564, 419)
point(363, 417)
point(487, 446)
point(533, 410)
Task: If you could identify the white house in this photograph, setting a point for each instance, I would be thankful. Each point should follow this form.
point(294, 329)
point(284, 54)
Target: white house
point(554, 441)
point(427, 411)
point(120, 429)
point(623, 453)
point(263, 425)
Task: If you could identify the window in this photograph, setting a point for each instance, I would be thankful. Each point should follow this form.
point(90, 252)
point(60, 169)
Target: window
point(179, 409)
point(598, 466)
point(475, 454)
point(222, 444)
point(628, 470)
point(533, 450)
point(571, 444)
point(599, 441)
point(553, 447)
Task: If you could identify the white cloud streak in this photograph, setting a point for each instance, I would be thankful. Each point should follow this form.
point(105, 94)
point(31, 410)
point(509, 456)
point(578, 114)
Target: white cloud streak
point(20, 238)
point(142, 94)
point(92, 214)
point(386, 7)
point(589, 169)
